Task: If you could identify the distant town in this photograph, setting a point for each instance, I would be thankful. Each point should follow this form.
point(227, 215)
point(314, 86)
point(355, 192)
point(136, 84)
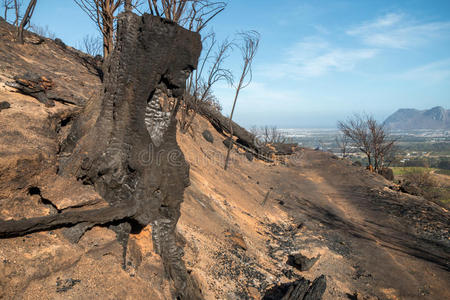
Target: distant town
point(417, 148)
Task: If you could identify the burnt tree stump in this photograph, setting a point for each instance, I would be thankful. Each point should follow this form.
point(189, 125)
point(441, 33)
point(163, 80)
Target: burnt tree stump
point(124, 144)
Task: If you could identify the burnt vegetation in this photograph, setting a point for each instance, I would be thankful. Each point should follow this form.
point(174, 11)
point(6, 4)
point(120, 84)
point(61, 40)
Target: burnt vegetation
point(370, 137)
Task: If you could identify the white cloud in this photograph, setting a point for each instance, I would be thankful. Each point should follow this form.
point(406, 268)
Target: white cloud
point(437, 71)
point(313, 57)
point(399, 31)
point(258, 92)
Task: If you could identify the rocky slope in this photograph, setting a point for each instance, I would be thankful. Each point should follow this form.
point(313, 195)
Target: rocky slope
point(406, 119)
point(240, 229)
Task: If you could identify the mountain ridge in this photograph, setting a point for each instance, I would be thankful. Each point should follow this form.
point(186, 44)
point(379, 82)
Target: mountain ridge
point(410, 118)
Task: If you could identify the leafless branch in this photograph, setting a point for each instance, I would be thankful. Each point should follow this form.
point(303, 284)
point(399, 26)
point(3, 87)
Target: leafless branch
point(7, 5)
point(191, 14)
point(103, 14)
point(91, 45)
point(202, 80)
point(370, 137)
point(249, 46)
point(42, 31)
point(343, 141)
point(26, 20)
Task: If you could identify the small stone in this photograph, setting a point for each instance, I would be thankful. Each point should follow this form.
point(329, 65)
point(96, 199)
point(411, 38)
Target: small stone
point(208, 136)
point(60, 43)
point(249, 156)
point(65, 285)
point(226, 142)
point(4, 105)
point(302, 262)
point(357, 163)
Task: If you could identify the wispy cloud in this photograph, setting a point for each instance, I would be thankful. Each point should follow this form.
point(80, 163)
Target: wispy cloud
point(437, 71)
point(399, 31)
point(313, 57)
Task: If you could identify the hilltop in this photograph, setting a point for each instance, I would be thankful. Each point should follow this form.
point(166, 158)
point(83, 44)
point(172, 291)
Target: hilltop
point(408, 118)
point(238, 229)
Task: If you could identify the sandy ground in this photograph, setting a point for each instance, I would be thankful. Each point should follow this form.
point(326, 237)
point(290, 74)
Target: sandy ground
point(372, 240)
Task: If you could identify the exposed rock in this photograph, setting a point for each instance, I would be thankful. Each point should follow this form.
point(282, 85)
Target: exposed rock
point(302, 262)
point(237, 240)
point(60, 43)
point(208, 136)
point(301, 289)
point(317, 288)
point(249, 156)
point(4, 105)
point(357, 163)
point(387, 173)
point(410, 188)
point(65, 285)
point(354, 296)
point(227, 142)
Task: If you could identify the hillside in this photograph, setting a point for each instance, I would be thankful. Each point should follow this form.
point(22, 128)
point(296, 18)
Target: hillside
point(408, 118)
point(237, 228)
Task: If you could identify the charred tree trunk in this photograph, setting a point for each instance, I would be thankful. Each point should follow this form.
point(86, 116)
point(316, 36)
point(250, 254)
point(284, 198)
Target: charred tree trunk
point(25, 20)
point(125, 145)
point(244, 137)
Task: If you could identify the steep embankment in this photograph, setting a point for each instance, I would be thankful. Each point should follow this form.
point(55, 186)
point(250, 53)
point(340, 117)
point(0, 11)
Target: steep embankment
point(237, 227)
point(371, 239)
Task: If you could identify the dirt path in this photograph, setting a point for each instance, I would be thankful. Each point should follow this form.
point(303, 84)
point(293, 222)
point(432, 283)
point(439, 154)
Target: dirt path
point(388, 238)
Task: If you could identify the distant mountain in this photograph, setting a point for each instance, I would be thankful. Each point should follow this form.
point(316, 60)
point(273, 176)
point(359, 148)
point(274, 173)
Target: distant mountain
point(408, 118)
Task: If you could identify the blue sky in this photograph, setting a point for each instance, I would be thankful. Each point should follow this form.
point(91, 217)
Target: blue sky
point(320, 61)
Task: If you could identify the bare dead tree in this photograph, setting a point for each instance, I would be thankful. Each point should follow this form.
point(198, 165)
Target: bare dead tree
point(276, 136)
point(343, 141)
point(7, 5)
point(42, 31)
point(370, 137)
point(191, 14)
point(17, 7)
point(202, 80)
point(355, 128)
point(14, 5)
point(103, 14)
point(91, 45)
point(249, 47)
point(271, 135)
point(381, 144)
point(26, 20)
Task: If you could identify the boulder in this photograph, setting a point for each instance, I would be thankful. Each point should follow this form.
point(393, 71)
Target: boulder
point(357, 163)
point(249, 156)
point(4, 105)
point(302, 262)
point(226, 142)
point(387, 173)
point(208, 136)
point(60, 43)
point(301, 289)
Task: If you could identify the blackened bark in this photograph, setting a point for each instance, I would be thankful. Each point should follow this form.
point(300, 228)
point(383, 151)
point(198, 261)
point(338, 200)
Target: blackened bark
point(131, 155)
point(25, 20)
point(125, 145)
